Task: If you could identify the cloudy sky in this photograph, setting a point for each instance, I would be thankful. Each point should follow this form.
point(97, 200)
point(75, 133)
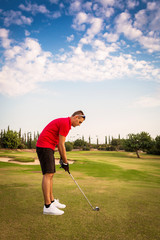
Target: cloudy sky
point(101, 56)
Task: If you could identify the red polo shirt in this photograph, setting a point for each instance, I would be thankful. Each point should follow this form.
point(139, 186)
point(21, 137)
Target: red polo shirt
point(49, 137)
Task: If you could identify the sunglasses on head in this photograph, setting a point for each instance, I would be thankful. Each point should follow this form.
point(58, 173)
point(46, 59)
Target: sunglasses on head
point(83, 116)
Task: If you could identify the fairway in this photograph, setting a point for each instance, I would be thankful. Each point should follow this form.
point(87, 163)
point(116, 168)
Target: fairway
point(126, 189)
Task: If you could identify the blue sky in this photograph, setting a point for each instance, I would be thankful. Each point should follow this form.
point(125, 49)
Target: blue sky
point(101, 56)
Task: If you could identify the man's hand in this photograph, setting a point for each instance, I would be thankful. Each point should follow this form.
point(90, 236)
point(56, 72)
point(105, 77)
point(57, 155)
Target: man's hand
point(65, 166)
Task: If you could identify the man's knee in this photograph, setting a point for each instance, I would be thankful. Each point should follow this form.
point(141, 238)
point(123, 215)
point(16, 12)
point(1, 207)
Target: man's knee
point(48, 175)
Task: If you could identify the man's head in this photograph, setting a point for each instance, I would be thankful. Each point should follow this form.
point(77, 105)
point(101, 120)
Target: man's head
point(77, 118)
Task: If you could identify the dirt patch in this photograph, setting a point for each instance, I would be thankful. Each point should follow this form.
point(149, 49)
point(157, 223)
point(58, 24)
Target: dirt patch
point(36, 162)
point(2, 159)
point(26, 150)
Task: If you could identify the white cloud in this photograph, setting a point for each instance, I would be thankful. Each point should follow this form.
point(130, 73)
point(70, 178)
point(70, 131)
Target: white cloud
point(4, 33)
point(149, 18)
point(140, 19)
point(93, 25)
point(56, 14)
point(34, 8)
point(138, 52)
point(11, 53)
point(15, 17)
point(125, 25)
point(106, 3)
point(95, 7)
point(79, 21)
point(70, 38)
point(154, 17)
point(132, 4)
point(75, 7)
point(151, 6)
point(96, 27)
point(61, 5)
point(81, 18)
point(104, 9)
point(151, 43)
point(109, 12)
point(4, 38)
point(26, 65)
point(111, 37)
point(102, 52)
point(27, 33)
point(87, 6)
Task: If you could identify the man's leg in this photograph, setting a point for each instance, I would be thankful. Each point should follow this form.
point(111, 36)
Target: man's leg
point(51, 189)
point(47, 193)
point(47, 184)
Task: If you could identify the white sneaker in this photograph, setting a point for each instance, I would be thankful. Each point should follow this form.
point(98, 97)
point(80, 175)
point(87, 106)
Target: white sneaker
point(52, 210)
point(57, 204)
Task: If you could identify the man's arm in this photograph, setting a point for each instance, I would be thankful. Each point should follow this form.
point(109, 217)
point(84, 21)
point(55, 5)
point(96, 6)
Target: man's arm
point(62, 149)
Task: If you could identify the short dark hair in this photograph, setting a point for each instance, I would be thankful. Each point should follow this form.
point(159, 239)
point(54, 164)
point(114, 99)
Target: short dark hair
point(77, 113)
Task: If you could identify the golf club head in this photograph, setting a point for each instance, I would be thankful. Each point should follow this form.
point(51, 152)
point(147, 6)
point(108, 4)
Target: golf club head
point(96, 209)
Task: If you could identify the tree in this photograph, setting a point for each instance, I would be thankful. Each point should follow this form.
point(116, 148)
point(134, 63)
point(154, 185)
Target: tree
point(68, 146)
point(89, 140)
point(155, 146)
point(10, 139)
point(97, 142)
point(79, 143)
point(1, 137)
point(115, 143)
point(20, 133)
point(135, 142)
point(106, 140)
point(109, 142)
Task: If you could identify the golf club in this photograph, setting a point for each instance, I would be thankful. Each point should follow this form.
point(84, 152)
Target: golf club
point(96, 208)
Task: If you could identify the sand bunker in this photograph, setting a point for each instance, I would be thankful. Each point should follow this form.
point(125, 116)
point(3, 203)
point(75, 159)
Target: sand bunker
point(36, 162)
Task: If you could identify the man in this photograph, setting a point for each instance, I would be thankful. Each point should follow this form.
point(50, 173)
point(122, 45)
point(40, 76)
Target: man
point(54, 134)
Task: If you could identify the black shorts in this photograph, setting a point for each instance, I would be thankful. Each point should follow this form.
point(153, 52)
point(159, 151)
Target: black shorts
point(47, 160)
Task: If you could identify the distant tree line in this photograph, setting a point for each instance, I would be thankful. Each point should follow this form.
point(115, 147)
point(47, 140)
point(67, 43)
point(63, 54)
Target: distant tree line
point(133, 143)
point(13, 139)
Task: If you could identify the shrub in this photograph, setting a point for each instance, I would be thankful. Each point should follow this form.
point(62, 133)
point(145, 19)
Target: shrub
point(69, 146)
point(86, 148)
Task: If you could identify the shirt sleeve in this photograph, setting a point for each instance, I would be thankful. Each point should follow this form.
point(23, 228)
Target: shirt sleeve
point(64, 128)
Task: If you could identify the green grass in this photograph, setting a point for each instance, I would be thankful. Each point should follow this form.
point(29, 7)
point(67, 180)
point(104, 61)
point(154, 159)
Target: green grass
point(126, 189)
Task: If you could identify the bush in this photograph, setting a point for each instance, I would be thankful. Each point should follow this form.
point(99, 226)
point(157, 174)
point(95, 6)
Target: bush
point(69, 146)
point(102, 147)
point(155, 149)
point(81, 144)
point(10, 140)
point(86, 148)
point(110, 148)
point(21, 146)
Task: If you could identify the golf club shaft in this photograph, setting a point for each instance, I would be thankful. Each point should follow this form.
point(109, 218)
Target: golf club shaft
point(81, 191)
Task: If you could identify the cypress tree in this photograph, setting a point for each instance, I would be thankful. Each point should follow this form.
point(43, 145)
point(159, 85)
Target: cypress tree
point(89, 140)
